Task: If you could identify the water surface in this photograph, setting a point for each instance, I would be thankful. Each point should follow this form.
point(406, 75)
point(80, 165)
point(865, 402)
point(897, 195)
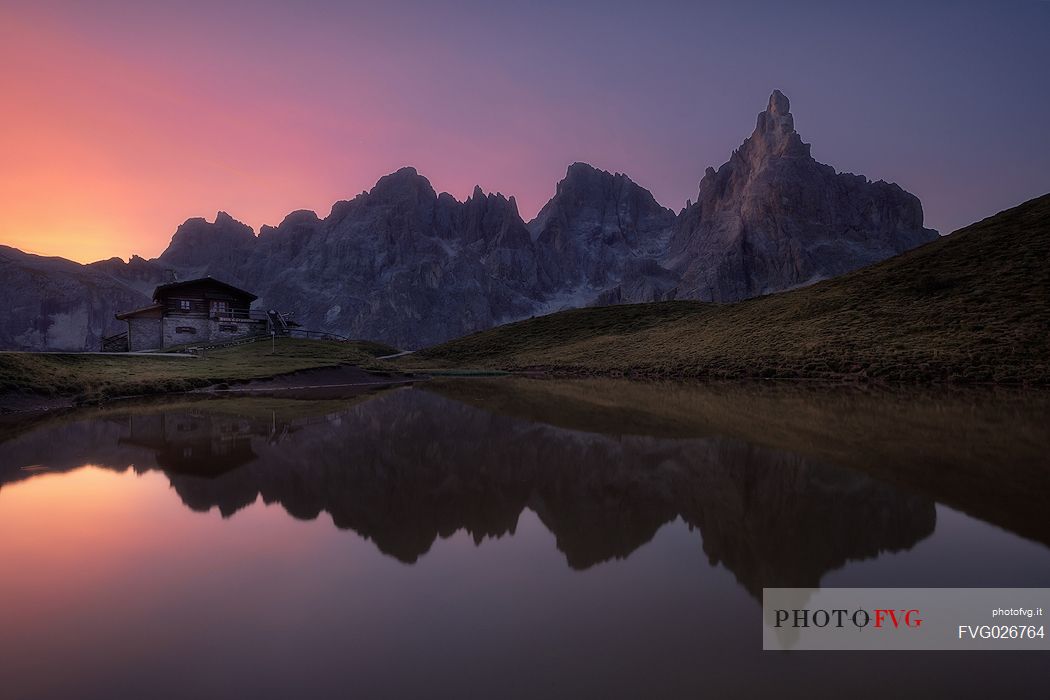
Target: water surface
point(505, 538)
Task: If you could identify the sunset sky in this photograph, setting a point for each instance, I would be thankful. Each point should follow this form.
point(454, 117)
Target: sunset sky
point(119, 120)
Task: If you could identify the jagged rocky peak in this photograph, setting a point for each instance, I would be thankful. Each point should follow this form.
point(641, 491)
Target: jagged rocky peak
point(594, 226)
point(583, 179)
point(480, 201)
point(779, 104)
point(404, 194)
point(772, 218)
point(588, 200)
point(299, 217)
point(497, 199)
point(293, 223)
point(489, 217)
point(224, 225)
point(774, 138)
point(403, 190)
point(775, 134)
point(297, 224)
point(579, 175)
point(404, 186)
point(197, 240)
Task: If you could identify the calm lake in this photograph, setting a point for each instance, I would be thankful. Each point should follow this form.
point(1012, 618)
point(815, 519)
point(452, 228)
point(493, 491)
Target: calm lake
point(506, 538)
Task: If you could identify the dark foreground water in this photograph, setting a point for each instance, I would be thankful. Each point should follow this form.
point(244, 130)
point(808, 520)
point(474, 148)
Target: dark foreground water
point(506, 538)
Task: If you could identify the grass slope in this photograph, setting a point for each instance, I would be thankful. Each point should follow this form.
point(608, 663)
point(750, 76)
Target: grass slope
point(87, 376)
point(970, 307)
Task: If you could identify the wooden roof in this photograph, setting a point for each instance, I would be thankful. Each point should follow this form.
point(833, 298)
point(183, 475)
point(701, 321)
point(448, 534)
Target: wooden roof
point(166, 289)
point(123, 315)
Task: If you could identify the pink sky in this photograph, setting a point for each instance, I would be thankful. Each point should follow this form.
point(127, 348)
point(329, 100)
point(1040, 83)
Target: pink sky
point(105, 156)
point(120, 120)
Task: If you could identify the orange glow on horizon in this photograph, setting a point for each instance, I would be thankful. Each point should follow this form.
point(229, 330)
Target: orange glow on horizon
point(104, 157)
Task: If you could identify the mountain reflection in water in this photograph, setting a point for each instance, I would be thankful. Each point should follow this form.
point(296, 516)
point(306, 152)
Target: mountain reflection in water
point(405, 467)
point(779, 486)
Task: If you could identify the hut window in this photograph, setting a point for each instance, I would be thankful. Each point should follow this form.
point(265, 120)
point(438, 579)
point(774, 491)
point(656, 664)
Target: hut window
point(184, 304)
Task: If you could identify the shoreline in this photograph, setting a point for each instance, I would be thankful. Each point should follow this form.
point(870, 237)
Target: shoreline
point(45, 381)
point(335, 381)
point(14, 403)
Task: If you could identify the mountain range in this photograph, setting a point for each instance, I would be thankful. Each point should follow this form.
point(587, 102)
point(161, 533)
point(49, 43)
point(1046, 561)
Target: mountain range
point(408, 266)
point(970, 307)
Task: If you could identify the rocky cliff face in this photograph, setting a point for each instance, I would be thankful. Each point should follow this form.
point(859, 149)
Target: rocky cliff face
point(57, 304)
point(411, 267)
point(400, 263)
point(199, 246)
point(597, 230)
point(772, 218)
point(408, 266)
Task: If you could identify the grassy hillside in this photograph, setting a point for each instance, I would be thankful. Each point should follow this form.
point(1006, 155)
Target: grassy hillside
point(87, 376)
point(970, 307)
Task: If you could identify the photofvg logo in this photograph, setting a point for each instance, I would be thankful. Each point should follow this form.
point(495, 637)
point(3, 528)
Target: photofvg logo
point(929, 618)
point(840, 617)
